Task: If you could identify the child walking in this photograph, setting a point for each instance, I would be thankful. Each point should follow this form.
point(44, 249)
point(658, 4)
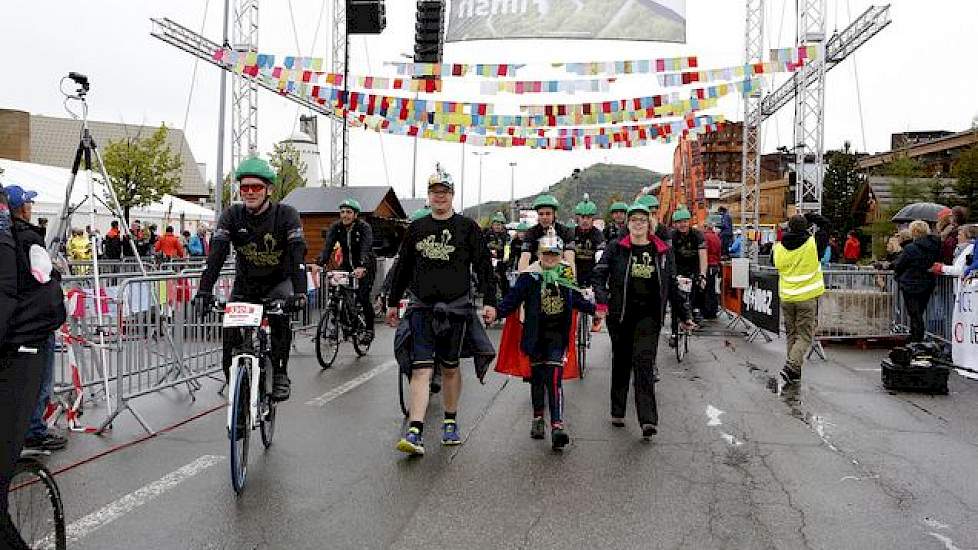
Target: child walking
point(548, 293)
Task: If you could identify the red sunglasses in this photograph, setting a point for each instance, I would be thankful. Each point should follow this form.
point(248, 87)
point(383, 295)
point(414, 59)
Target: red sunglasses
point(251, 187)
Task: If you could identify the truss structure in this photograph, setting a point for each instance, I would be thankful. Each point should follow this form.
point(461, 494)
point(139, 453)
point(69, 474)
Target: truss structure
point(339, 136)
point(751, 161)
point(244, 91)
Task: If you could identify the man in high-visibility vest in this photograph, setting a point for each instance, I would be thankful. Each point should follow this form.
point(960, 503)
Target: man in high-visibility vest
point(799, 286)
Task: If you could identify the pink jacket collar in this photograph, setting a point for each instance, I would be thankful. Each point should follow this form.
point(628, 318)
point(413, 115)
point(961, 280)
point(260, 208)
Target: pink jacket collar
point(660, 245)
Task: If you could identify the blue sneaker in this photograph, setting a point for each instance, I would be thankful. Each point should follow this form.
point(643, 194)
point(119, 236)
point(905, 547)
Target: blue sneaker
point(449, 433)
point(412, 443)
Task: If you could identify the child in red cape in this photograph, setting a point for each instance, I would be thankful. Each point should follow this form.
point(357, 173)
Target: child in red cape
point(549, 297)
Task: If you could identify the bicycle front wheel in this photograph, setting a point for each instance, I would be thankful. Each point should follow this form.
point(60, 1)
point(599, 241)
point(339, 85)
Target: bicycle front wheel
point(34, 505)
point(682, 345)
point(327, 339)
point(268, 422)
point(582, 334)
point(240, 432)
point(402, 381)
point(360, 345)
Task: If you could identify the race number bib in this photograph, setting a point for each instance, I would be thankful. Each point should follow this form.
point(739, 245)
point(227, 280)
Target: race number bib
point(242, 314)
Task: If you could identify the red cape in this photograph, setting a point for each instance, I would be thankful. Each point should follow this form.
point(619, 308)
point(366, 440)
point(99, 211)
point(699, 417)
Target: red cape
point(513, 362)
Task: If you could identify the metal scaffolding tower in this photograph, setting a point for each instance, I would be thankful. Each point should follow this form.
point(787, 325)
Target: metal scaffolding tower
point(751, 160)
point(810, 110)
point(339, 136)
point(244, 91)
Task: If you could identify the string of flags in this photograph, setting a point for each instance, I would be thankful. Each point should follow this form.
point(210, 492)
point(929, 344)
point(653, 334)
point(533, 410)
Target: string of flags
point(490, 87)
point(455, 69)
point(591, 68)
point(727, 74)
point(796, 55)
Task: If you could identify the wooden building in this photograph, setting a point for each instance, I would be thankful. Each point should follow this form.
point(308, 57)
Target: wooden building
point(773, 204)
point(319, 209)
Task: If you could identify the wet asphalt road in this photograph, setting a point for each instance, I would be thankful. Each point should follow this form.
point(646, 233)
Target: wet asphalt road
point(839, 464)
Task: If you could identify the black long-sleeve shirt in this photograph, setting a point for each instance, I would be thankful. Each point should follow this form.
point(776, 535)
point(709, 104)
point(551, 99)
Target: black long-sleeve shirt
point(437, 258)
point(356, 242)
point(270, 249)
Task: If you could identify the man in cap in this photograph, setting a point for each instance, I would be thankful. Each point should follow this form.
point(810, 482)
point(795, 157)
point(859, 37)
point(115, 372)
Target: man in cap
point(546, 206)
point(355, 239)
point(435, 262)
point(590, 241)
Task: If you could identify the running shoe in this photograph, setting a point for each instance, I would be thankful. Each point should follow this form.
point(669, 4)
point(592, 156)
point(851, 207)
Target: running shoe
point(673, 340)
point(47, 442)
point(538, 428)
point(648, 430)
point(790, 375)
point(412, 443)
point(617, 422)
point(559, 438)
point(449, 433)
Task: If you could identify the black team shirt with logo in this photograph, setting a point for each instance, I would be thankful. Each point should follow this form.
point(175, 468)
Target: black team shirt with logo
point(588, 244)
point(537, 232)
point(643, 282)
point(436, 259)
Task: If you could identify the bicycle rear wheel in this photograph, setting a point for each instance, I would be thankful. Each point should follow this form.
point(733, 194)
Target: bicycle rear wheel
point(327, 339)
point(268, 422)
point(583, 329)
point(240, 433)
point(682, 345)
point(359, 345)
point(402, 381)
point(35, 506)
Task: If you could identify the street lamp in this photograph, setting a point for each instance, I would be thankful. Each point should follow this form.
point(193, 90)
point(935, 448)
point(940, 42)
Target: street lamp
point(414, 162)
point(513, 213)
point(478, 209)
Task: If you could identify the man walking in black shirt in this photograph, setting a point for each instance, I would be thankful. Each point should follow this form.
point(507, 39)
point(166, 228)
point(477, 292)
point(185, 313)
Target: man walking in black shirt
point(589, 241)
point(546, 206)
point(616, 229)
point(435, 262)
point(356, 239)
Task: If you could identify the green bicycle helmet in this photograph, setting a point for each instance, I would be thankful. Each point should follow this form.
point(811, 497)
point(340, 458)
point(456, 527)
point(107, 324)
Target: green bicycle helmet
point(651, 201)
point(523, 226)
point(586, 208)
point(255, 167)
point(545, 200)
point(420, 213)
point(638, 207)
point(680, 215)
point(619, 207)
point(352, 204)
point(498, 217)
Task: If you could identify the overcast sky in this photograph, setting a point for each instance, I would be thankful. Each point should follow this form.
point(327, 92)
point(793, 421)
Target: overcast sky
point(917, 75)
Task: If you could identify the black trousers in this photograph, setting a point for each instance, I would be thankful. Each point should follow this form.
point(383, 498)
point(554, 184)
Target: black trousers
point(20, 386)
point(547, 380)
point(711, 300)
point(281, 342)
point(363, 298)
point(916, 307)
point(634, 346)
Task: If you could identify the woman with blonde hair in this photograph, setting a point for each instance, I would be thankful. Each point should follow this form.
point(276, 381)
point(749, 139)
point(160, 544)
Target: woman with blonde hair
point(913, 273)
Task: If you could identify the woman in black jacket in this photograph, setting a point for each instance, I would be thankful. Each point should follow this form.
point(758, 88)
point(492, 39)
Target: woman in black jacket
point(912, 270)
point(634, 280)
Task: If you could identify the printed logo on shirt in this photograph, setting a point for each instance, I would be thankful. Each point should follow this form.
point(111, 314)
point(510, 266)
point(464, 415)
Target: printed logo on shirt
point(267, 256)
point(435, 248)
point(643, 267)
point(551, 301)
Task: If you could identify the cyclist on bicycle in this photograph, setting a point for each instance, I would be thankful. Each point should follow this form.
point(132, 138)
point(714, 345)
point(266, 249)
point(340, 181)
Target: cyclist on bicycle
point(497, 239)
point(270, 247)
point(689, 247)
point(590, 241)
point(546, 206)
point(617, 228)
point(355, 238)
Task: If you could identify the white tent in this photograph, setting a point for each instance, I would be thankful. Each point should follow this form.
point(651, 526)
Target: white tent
point(51, 184)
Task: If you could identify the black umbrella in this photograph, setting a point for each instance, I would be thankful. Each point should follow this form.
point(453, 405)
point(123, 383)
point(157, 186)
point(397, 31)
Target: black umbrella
point(926, 211)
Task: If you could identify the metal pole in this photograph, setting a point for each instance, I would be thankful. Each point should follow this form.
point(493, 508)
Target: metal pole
point(462, 186)
point(345, 159)
point(414, 165)
point(478, 209)
point(512, 192)
point(221, 124)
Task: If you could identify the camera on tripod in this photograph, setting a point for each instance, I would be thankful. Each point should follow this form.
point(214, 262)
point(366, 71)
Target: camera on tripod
point(82, 82)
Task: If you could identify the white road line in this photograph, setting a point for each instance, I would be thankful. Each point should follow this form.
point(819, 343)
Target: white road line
point(332, 394)
point(713, 414)
point(85, 526)
point(948, 543)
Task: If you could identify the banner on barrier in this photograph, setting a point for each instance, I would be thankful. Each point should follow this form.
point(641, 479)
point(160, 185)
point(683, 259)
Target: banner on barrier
point(761, 304)
point(964, 341)
point(730, 296)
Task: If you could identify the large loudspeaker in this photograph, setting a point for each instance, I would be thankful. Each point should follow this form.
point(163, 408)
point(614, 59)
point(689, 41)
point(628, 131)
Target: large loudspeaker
point(365, 16)
point(429, 31)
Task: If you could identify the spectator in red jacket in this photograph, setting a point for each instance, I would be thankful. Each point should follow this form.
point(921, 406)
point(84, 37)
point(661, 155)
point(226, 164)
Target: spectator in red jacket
point(169, 245)
point(853, 250)
point(711, 302)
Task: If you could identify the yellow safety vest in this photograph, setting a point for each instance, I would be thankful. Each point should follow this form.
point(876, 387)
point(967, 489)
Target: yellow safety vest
point(799, 272)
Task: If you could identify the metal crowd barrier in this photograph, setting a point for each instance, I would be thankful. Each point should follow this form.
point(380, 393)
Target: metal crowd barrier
point(939, 316)
point(859, 304)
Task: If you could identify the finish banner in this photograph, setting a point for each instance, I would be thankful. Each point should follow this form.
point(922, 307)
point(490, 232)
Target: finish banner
point(648, 20)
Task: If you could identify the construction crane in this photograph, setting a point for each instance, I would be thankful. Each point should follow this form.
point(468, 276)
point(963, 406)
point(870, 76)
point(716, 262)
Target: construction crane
point(807, 88)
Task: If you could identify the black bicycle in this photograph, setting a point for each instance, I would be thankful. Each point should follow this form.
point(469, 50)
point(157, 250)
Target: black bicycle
point(683, 333)
point(35, 507)
point(250, 403)
point(342, 320)
point(583, 341)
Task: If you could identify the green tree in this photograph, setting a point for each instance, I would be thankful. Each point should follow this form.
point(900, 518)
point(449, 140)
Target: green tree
point(936, 192)
point(290, 169)
point(966, 171)
point(839, 187)
point(142, 170)
point(904, 190)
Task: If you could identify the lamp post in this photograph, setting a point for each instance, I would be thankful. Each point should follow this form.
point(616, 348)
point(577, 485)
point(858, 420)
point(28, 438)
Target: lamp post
point(513, 213)
point(461, 188)
point(414, 161)
point(478, 208)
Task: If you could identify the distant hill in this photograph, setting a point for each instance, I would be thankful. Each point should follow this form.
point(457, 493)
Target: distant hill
point(605, 183)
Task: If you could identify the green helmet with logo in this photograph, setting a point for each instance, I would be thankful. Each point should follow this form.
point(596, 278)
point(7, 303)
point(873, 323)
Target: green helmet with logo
point(546, 200)
point(523, 226)
point(257, 168)
point(352, 204)
point(637, 206)
point(586, 208)
point(651, 201)
point(498, 217)
point(619, 207)
point(420, 213)
point(680, 215)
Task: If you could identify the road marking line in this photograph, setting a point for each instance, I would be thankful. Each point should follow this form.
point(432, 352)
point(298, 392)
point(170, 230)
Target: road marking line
point(83, 527)
point(332, 394)
point(713, 414)
point(867, 370)
point(948, 543)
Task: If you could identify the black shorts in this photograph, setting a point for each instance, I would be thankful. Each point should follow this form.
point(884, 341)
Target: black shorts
point(429, 347)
